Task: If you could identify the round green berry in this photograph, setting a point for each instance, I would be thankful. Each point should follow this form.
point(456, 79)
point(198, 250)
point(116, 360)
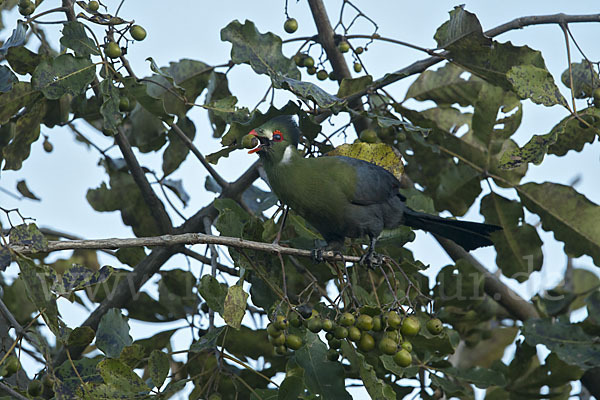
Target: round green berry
point(403, 358)
point(294, 342)
point(434, 326)
point(347, 319)
point(322, 75)
point(290, 25)
point(410, 326)
point(344, 46)
point(112, 50)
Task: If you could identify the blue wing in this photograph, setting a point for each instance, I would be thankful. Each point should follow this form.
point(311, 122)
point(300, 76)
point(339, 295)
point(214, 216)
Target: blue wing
point(374, 184)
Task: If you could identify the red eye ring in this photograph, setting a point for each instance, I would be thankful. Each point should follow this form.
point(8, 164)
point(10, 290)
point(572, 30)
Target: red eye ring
point(277, 135)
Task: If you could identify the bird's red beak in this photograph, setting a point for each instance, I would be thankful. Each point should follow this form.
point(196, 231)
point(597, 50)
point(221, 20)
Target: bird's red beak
point(257, 148)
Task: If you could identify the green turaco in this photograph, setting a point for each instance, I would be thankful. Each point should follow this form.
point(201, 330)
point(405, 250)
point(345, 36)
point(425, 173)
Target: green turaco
point(345, 197)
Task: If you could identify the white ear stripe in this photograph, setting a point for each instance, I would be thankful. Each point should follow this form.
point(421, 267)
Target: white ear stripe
point(287, 154)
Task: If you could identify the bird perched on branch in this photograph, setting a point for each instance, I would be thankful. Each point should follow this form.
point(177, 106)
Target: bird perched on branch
point(347, 197)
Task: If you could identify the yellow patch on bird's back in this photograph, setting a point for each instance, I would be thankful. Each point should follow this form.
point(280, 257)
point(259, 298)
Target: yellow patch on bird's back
point(379, 154)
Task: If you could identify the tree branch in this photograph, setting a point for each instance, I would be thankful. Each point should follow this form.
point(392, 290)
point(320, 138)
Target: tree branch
point(336, 58)
point(155, 260)
point(222, 182)
point(157, 208)
point(494, 287)
point(176, 240)
point(518, 23)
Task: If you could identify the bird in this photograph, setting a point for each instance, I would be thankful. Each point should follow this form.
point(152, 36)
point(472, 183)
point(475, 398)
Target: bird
point(344, 197)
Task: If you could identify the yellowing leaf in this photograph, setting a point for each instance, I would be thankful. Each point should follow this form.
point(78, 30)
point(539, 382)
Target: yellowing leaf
point(235, 306)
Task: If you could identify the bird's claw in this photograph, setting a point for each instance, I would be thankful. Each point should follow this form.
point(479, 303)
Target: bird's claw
point(317, 255)
point(371, 260)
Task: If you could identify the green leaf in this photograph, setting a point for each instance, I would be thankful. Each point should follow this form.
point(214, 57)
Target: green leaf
point(376, 387)
point(536, 84)
point(462, 25)
point(113, 333)
point(585, 79)
point(63, 74)
point(218, 88)
point(208, 341)
point(321, 376)
point(520, 69)
point(176, 186)
point(175, 293)
point(120, 376)
point(24, 190)
point(593, 307)
point(156, 342)
point(75, 38)
point(111, 114)
point(11, 102)
point(349, 86)
point(231, 219)
point(307, 91)
point(141, 92)
point(7, 79)
point(533, 151)
point(124, 196)
point(158, 367)
point(570, 215)
point(131, 256)
point(5, 257)
point(68, 382)
point(177, 151)
point(449, 387)
point(390, 365)
point(213, 292)
point(454, 289)
point(78, 277)
point(27, 131)
point(572, 134)
point(234, 307)
point(445, 86)
point(293, 384)
point(518, 246)
point(182, 81)
point(264, 394)
point(480, 377)
point(583, 281)
point(28, 235)
point(147, 132)
point(457, 190)
point(261, 51)
point(17, 38)
point(36, 288)
point(226, 110)
point(22, 60)
point(568, 341)
point(81, 337)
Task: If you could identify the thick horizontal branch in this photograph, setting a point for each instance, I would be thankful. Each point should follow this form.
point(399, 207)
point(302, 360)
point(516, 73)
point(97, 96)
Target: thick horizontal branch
point(518, 23)
point(517, 306)
point(176, 240)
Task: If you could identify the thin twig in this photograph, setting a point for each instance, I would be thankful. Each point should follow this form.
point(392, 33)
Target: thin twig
point(12, 392)
point(222, 182)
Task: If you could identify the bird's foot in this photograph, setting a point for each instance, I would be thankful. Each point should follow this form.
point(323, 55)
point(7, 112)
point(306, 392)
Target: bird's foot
point(317, 255)
point(371, 260)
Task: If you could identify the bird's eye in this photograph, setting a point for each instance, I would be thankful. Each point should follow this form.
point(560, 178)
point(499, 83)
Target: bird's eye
point(277, 136)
